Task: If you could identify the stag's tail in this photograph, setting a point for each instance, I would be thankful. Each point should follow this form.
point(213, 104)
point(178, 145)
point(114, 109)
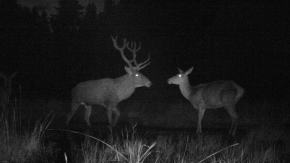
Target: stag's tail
point(240, 91)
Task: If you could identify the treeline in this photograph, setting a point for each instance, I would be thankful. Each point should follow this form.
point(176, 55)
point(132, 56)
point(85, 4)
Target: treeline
point(56, 51)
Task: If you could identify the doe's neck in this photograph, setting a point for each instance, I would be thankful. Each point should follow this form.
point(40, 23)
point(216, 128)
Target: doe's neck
point(185, 88)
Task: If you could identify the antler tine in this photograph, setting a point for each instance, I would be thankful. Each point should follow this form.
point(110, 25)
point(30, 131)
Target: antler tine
point(144, 64)
point(134, 50)
point(121, 49)
point(131, 46)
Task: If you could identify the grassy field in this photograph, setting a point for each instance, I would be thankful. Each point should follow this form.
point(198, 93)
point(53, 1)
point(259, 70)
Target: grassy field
point(35, 132)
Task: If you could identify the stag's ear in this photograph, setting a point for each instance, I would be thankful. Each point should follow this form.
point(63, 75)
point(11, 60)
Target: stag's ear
point(128, 70)
point(189, 71)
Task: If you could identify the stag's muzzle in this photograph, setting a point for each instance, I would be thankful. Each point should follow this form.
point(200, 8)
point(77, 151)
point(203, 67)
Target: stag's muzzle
point(148, 84)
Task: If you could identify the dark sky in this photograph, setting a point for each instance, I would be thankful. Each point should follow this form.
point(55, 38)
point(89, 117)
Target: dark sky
point(241, 41)
point(49, 5)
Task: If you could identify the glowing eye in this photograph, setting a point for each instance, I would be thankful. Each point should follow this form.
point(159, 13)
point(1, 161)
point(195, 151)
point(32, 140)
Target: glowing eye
point(179, 75)
point(136, 75)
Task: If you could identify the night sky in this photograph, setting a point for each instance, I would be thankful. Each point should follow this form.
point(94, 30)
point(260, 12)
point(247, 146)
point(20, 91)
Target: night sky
point(241, 41)
point(49, 5)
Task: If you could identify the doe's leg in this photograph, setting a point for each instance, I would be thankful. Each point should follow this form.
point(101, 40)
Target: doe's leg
point(200, 116)
point(234, 117)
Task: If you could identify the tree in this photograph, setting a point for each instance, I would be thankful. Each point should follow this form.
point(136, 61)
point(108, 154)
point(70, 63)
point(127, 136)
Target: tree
point(68, 16)
point(9, 20)
point(89, 22)
point(65, 27)
point(89, 28)
point(10, 35)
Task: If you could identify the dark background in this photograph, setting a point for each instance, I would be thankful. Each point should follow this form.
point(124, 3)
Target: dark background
point(247, 42)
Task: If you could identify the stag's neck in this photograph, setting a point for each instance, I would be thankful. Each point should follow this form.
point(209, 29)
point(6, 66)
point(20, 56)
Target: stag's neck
point(185, 89)
point(125, 86)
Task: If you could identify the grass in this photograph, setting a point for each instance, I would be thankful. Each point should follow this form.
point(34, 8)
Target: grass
point(178, 149)
point(21, 143)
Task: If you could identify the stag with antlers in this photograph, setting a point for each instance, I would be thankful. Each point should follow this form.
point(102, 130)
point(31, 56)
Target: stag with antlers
point(109, 92)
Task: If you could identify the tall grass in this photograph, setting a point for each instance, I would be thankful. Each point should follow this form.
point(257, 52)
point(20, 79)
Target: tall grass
point(180, 149)
point(133, 150)
point(27, 146)
point(20, 144)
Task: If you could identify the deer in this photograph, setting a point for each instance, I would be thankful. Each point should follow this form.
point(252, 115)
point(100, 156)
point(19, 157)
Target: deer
point(109, 92)
point(213, 95)
point(5, 91)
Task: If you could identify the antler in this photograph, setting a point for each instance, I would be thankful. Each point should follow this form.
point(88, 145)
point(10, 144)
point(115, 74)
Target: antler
point(134, 49)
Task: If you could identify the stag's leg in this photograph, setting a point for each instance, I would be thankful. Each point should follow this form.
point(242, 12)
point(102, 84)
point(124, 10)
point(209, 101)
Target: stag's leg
point(88, 114)
point(200, 116)
point(117, 114)
point(74, 107)
point(109, 114)
point(234, 116)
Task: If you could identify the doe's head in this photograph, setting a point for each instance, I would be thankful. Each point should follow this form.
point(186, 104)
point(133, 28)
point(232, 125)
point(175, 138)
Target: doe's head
point(180, 77)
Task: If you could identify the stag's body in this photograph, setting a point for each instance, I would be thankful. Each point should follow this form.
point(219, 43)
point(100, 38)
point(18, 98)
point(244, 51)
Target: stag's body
point(109, 92)
point(212, 95)
point(105, 92)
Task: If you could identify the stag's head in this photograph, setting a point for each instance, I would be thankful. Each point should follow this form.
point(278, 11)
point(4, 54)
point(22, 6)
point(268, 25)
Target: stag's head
point(133, 66)
point(181, 77)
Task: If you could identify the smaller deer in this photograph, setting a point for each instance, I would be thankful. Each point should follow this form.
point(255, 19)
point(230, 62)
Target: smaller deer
point(109, 92)
point(5, 91)
point(212, 95)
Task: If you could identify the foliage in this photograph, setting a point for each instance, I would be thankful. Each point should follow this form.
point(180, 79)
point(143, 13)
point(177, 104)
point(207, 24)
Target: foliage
point(18, 146)
point(181, 148)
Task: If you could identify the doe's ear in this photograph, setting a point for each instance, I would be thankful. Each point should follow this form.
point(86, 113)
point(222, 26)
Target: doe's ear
point(180, 71)
point(189, 71)
point(128, 70)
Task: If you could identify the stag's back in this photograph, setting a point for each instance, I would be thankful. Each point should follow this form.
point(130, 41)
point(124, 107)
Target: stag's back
point(95, 92)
